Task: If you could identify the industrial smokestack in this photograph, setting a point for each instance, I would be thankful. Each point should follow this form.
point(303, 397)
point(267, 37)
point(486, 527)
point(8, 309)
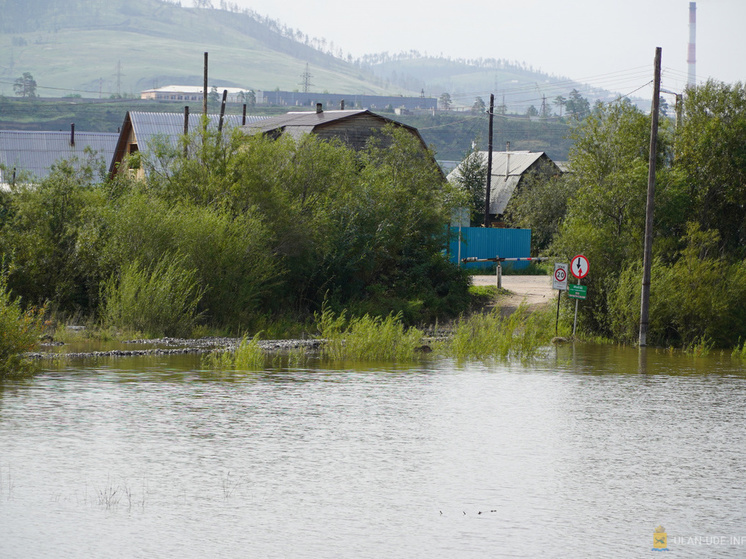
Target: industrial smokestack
point(691, 58)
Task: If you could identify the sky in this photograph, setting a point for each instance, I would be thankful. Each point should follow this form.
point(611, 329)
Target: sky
point(609, 44)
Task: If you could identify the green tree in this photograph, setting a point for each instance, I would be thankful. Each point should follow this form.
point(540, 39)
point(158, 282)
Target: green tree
point(711, 152)
point(605, 215)
point(532, 111)
point(445, 101)
point(560, 102)
point(478, 107)
point(577, 106)
point(25, 86)
point(540, 205)
point(471, 177)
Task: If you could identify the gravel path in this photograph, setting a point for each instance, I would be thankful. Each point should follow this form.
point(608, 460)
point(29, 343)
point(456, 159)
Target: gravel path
point(533, 290)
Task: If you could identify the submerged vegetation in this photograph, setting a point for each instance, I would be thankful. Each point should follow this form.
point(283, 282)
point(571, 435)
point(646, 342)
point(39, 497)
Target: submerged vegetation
point(19, 333)
point(367, 338)
point(493, 335)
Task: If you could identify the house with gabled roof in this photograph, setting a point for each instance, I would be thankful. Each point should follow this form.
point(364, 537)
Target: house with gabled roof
point(141, 129)
point(35, 152)
point(510, 170)
point(352, 127)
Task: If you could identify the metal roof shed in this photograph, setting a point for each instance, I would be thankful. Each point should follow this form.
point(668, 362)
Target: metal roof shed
point(36, 151)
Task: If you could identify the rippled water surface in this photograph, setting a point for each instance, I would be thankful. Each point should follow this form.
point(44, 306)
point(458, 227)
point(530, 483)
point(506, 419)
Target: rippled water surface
point(581, 453)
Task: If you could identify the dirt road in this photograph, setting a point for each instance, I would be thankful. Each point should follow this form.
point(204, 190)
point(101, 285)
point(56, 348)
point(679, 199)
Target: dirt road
point(533, 290)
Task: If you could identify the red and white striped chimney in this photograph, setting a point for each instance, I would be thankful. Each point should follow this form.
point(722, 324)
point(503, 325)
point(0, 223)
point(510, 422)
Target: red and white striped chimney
point(691, 58)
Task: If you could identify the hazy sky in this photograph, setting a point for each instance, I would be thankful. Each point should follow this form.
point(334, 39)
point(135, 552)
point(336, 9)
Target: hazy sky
point(610, 44)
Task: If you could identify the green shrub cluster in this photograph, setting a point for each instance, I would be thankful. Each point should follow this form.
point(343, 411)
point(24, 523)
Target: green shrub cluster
point(493, 335)
point(19, 333)
point(367, 338)
point(233, 232)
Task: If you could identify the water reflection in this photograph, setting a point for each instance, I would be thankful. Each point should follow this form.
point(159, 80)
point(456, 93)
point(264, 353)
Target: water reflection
point(580, 453)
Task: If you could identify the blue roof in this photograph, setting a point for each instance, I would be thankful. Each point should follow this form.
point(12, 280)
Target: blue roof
point(36, 151)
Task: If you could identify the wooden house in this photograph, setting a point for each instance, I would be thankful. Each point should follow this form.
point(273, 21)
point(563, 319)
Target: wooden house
point(352, 127)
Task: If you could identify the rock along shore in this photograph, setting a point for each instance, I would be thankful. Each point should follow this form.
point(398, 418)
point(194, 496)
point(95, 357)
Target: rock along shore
point(176, 346)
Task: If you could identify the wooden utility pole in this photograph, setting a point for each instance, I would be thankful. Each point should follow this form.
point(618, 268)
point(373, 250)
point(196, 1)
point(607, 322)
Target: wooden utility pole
point(648, 251)
point(489, 163)
point(222, 110)
point(186, 130)
point(204, 90)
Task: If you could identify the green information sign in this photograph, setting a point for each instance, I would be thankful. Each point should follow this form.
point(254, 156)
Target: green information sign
point(577, 291)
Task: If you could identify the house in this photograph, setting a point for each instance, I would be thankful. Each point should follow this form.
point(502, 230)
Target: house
point(141, 129)
point(352, 127)
point(510, 169)
point(34, 152)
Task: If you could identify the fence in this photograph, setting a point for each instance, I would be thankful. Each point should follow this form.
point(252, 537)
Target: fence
point(481, 242)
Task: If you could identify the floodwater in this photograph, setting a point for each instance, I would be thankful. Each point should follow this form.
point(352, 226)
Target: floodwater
point(583, 452)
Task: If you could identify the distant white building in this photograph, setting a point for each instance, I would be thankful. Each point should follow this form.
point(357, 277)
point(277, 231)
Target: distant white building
point(192, 93)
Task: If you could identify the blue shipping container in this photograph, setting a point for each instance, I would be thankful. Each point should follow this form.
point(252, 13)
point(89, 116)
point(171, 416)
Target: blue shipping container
point(484, 242)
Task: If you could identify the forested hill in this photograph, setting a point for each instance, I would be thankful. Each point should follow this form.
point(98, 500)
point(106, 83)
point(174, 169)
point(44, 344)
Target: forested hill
point(121, 47)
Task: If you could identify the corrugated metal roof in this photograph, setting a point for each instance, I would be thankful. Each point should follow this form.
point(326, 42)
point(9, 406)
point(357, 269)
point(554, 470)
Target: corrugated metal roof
point(36, 151)
point(170, 126)
point(503, 183)
point(306, 121)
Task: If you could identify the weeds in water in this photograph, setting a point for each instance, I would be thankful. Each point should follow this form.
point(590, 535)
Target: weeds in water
point(19, 333)
point(739, 352)
point(246, 356)
point(482, 336)
point(367, 338)
point(701, 347)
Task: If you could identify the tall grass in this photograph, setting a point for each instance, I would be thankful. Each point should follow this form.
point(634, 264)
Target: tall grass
point(367, 338)
point(19, 333)
point(491, 335)
point(161, 300)
point(246, 356)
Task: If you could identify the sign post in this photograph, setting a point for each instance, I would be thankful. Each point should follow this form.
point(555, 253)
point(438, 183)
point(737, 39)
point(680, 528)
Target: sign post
point(559, 282)
point(579, 269)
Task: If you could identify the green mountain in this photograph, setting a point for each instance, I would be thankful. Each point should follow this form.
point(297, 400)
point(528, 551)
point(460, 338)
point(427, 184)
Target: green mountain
point(117, 47)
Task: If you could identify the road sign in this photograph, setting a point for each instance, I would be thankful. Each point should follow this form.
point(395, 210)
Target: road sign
point(577, 291)
point(579, 266)
point(560, 277)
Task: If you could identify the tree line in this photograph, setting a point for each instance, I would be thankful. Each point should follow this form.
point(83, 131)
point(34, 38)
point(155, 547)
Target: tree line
point(698, 289)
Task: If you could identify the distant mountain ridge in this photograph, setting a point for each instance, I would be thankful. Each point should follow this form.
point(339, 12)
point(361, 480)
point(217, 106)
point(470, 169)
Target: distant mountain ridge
point(121, 47)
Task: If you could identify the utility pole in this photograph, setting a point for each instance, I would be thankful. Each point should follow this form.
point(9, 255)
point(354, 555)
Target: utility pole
point(489, 164)
point(204, 89)
point(119, 78)
point(648, 251)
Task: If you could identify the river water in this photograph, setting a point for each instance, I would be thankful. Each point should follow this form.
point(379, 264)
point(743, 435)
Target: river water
point(582, 452)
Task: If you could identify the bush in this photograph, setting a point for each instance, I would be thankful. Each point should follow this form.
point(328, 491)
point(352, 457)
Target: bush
point(247, 356)
point(19, 333)
point(492, 335)
point(701, 297)
point(367, 338)
point(158, 301)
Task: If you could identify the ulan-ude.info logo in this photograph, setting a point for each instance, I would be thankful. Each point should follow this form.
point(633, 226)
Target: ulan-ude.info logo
point(661, 539)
